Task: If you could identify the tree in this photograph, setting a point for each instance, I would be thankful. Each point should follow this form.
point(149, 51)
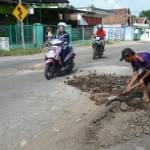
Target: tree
point(145, 13)
point(133, 16)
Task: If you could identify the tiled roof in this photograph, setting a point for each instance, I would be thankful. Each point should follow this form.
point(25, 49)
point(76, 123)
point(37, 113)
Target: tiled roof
point(141, 20)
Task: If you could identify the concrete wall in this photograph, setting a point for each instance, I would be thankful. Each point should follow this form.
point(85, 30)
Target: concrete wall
point(145, 35)
point(129, 33)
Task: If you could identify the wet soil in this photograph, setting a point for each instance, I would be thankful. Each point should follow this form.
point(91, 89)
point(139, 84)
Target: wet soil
point(121, 120)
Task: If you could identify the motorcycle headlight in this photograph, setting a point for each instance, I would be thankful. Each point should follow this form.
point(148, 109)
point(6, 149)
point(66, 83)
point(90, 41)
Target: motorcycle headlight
point(51, 54)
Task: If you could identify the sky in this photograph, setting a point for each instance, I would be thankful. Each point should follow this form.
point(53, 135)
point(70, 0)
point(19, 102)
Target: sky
point(135, 5)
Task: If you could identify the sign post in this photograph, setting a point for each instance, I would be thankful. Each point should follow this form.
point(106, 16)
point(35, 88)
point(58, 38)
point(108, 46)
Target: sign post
point(22, 30)
point(20, 12)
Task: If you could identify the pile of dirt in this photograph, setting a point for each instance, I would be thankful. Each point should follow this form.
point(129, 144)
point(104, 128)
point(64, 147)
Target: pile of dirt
point(103, 86)
point(122, 120)
point(112, 128)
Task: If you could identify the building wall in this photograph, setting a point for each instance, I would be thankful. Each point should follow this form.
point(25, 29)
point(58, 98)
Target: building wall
point(116, 32)
point(129, 33)
point(81, 20)
point(145, 35)
point(88, 20)
point(119, 17)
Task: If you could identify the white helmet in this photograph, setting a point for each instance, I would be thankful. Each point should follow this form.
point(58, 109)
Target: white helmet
point(62, 24)
point(99, 26)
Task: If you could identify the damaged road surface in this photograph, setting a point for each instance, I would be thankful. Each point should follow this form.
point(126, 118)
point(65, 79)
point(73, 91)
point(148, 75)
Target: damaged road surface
point(120, 121)
point(36, 114)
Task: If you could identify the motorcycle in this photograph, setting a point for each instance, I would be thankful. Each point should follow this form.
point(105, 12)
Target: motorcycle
point(98, 47)
point(53, 62)
point(45, 45)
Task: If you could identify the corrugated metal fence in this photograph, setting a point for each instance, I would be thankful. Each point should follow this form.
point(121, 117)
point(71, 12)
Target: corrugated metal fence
point(81, 33)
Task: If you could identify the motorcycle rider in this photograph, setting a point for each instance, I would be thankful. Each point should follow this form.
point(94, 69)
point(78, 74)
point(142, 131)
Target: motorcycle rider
point(101, 33)
point(65, 37)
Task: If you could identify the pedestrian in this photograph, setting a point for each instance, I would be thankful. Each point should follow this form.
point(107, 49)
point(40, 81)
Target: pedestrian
point(139, 61)
point(49, 33)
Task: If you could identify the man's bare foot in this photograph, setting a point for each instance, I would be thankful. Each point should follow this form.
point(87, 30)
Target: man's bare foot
point(146, 102)
point(146, 98)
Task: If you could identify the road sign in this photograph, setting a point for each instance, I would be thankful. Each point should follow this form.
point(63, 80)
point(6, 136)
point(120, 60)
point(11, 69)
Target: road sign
point(20, 12)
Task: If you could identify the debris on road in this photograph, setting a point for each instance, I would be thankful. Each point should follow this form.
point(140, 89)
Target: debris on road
point(123, 119)
point(23, 143)
point(123, 106)
point(56, 130)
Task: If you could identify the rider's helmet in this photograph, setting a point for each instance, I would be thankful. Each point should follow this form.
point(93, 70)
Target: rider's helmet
point(100, 27)
point(61, 26)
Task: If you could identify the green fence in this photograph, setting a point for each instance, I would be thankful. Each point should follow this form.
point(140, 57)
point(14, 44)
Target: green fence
point(34, 35)
point(82, 34)
point(13, 32)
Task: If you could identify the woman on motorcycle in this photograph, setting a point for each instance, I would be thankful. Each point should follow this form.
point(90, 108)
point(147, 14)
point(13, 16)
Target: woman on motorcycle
point(64, 36)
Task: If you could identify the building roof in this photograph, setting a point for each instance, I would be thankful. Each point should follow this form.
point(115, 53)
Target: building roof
point(96, 11)
point(141, 20)
point(35, 1)
point(121, 10)
point(61, 10)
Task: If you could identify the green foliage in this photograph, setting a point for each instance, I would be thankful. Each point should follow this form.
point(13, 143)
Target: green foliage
point(145, 13)
point(19, 52)
point(71, 6)
point(5, 9)
point(132, 16)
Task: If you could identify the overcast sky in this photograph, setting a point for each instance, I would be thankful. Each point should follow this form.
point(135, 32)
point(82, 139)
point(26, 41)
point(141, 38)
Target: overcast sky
point(135, 5)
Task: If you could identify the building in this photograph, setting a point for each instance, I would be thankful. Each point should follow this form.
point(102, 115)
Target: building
point(92, 15)
point(40, 13)
point(120, 17)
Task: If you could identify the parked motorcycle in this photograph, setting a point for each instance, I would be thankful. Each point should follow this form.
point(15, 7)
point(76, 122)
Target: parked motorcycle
point(53, 62)
point(98, 47)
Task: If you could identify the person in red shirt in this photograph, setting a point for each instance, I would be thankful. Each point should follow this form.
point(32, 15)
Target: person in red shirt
point(100, 32)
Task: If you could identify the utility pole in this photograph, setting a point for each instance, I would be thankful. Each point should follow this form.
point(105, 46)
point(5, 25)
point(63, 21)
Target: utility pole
point(40, 13)
point(22, 29)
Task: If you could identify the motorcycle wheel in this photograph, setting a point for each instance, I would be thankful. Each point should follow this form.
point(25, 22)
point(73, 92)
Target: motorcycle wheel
point(94, 52)
point(101, 52)
point(70, 67)
point(49, 71)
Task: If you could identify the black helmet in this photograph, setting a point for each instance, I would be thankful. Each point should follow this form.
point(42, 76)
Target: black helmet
point(126, 52)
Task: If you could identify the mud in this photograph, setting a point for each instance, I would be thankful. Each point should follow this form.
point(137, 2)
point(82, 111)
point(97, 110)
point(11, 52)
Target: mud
point(122, 120)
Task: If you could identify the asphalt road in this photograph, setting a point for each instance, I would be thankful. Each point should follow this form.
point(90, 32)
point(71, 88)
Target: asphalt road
point(29, 103)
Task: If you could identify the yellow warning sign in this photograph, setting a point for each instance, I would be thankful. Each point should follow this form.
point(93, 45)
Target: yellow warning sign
point(20, 12)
